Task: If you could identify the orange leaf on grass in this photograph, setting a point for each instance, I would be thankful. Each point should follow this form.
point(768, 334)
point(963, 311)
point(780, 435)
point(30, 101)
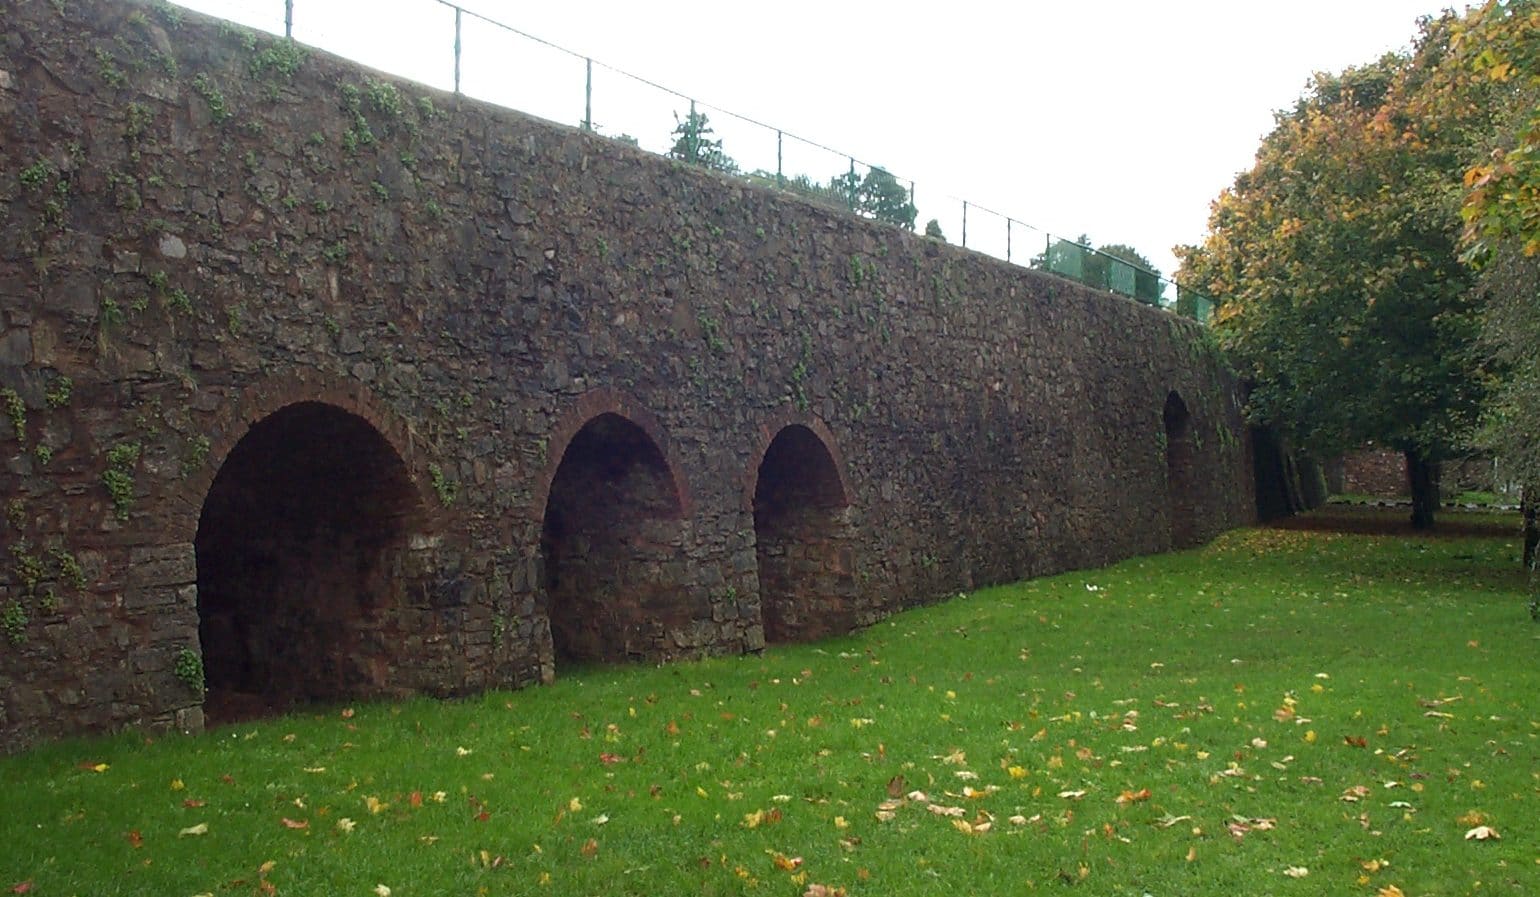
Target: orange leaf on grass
point(295, 824)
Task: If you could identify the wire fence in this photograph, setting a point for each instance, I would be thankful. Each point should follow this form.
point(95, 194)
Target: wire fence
point(490, 60)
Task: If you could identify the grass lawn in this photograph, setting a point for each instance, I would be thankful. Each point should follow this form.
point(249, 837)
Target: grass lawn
point(1287, 711)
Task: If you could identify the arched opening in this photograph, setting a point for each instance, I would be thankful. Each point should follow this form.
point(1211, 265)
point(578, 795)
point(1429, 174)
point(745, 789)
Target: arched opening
point(299, 548)
point(1180, 471)
point(803, 540)
point(611, 546)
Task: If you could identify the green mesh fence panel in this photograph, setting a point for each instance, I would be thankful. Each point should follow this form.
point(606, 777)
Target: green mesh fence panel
point(1120, 277)
point(1066, 258)
point(1202, 309)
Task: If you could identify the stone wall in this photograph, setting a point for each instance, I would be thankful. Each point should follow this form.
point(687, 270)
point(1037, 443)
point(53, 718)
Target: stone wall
point(298, 360)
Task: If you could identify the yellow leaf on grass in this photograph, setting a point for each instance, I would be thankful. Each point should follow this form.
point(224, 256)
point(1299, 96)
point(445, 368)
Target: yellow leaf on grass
point(1482, 833)
point(201, 828)
point(1390, 891)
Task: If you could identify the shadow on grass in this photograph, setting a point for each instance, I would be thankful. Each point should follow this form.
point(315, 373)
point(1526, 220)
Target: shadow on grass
point(1397, 522)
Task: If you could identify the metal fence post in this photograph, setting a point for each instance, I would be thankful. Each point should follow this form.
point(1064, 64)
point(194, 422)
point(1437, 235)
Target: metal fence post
point(457, 49)
point(288, 19)
point(965, 224)
point(1007, 239)
point(850, 195)
point(780, 179)
point(588, 96)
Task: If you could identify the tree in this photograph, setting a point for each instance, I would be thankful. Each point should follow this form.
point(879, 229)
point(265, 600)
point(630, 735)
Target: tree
point(694, 144)
point(933, 229)
point(1496, 62)
point(1335, 258)
point(878, 196)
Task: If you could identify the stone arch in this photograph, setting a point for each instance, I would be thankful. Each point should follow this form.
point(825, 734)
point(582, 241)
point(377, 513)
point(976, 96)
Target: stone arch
point(804, 545)
point(1181, 470)
point(613, 573)
point(300, 546)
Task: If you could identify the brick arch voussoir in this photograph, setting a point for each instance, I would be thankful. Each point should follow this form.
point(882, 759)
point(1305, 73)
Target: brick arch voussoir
point(591, 404)
point(766, 434)
point(255, 402)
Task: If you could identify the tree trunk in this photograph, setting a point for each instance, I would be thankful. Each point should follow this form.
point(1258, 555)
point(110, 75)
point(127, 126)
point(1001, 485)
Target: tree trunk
point(1529, 502)
point(1422, 478)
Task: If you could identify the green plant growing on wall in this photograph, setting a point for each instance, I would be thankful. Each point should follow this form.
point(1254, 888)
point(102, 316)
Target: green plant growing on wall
point(499, 629)
point(119, 476)
point(67, 566)
point(205, 87)
point(448, 490)
point(189, 669)
point(169, 13)
point(58, 393)
point(197, 453)
point(13, 619)
point(15, 411)
point(281, 56)
point(711, 332)
point(34, 176)
point(27, 567)
point(108, 69)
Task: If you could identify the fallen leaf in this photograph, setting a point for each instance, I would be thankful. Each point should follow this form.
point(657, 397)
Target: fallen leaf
point(1482, 833)
point(1390, 891)
point(1132, 797)
point(1072, 795)
point(381, 890)
point(346, 825)
point(896, 786)
point(295, 823)
point(590, 848)
point(21, 887)
point(601, 819)
point(201, 828)
point(192, 803)
point(135, 839)
point(1296, 872)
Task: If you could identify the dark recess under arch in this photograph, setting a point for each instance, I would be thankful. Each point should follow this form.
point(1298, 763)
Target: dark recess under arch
point(299, 548)
point(1181, 476)
point(611, 546)
point(803, 540)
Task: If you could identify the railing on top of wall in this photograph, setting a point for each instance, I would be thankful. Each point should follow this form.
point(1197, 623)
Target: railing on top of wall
point(760, 152)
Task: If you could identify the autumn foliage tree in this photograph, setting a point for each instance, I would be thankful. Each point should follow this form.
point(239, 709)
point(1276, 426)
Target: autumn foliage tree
point(1496, 60)
point(1336, 261)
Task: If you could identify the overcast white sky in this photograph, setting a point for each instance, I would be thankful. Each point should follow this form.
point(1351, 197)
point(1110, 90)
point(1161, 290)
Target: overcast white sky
point(1121, 119)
